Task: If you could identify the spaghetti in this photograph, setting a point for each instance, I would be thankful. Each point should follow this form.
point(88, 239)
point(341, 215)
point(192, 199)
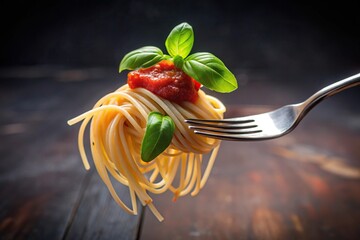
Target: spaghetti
point(118, 122)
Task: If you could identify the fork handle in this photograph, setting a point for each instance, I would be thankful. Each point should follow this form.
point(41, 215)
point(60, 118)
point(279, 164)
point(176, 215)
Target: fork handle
point(330, 90)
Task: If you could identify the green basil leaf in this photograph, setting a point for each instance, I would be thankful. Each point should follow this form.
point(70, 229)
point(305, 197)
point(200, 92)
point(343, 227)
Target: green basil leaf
point(180, 40)
point(158, 135)
point(141, 58)
point(210, 71)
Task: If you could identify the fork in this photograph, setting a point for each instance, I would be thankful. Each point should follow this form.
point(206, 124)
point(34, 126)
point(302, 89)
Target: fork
point(271, 124)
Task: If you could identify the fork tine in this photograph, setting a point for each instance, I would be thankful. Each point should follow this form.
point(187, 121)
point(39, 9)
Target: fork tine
point(222, 125)
point(241, 130)
point(250, 135)
point(224, 128)
point(226, 120)
point(230, 131)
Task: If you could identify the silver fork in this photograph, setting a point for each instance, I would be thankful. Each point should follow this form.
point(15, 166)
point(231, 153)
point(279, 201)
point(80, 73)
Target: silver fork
point(267, 125)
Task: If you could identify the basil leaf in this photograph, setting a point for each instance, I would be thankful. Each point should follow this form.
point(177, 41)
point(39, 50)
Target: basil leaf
point(158, 135)
point(210, 71)
point(141, 58)
point(180, 40)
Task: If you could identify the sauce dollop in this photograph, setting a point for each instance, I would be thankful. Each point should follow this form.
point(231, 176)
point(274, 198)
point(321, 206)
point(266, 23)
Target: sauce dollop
point(167, 81)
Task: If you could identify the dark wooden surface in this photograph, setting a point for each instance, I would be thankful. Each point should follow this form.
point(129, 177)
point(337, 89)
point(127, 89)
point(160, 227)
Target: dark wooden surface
point(305, 185)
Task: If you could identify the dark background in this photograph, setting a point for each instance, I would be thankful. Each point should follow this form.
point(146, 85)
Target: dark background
point(294, 45)
point(263, 35)
point(57, 58)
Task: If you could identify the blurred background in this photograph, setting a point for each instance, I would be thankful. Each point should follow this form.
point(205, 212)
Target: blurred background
point(292, 45)
point(298, 37)
point(295, 44)
point(58, 57)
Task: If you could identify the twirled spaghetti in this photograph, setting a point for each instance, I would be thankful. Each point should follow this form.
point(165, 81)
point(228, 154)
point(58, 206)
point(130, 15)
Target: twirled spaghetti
point(118, 122)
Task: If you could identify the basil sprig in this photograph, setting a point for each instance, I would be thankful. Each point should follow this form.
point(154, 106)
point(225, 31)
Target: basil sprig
point(204, 67)
point(141, 58)
point(158, 135)
point(180, 40)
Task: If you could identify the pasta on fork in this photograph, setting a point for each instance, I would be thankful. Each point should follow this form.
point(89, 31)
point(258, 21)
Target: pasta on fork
point(138, 134)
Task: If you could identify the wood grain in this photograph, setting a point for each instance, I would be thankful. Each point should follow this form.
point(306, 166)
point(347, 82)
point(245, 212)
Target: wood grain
point(45, 191)
point(305, 185)
point(257, 192)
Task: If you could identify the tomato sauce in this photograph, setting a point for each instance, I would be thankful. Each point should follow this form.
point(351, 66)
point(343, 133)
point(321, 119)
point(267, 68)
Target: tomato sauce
point(166, 81)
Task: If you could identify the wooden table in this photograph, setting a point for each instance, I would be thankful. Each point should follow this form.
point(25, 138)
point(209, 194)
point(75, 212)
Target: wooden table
point(305, 185)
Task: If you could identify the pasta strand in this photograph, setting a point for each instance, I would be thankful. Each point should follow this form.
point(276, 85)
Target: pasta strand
point(117, 126)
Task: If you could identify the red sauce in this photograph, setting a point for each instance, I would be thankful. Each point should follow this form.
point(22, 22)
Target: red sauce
point(166, 81)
